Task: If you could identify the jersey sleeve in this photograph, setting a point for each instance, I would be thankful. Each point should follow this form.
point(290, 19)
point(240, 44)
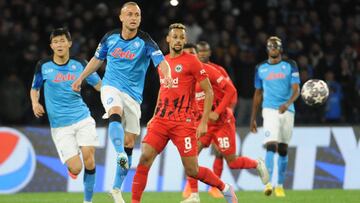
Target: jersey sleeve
point(38, 77)
point(102, 49)
point(215, 76)
point(94, 78)
point(257, 80)
point(198, 70)
point(295, 76)
point(152, 50)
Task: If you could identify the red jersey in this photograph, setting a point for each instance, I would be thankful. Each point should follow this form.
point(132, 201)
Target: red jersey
point(177, 103)
point(226, 75)
point(218, 82)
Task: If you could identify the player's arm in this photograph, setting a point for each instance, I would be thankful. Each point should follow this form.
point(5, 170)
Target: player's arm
point(295, 81)
point(229, 92)
point(93, 65)
point(38, 109)
point(166, 72)
point(209, 97)
point(257, 100)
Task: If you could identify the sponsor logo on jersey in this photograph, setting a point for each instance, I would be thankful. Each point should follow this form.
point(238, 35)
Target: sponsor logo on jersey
point(274, 76)
point(119, 53)
point(200, 95)
point(64, 77)
point(175, 82)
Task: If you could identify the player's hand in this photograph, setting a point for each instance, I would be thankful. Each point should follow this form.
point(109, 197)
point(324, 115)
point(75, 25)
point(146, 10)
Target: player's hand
point(76, 86)
point(253, 126)
point(168, 81)
point(213, 116)
point(201, 129)
point(283, 108)
point(38, 109)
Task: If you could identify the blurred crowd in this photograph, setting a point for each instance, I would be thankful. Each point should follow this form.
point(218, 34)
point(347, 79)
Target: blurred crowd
point(322, 36)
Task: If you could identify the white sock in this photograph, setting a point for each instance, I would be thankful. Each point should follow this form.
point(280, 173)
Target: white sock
point(226, 188)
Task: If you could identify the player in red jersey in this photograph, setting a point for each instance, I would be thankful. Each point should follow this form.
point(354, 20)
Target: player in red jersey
point(174, 118)
point(221, 127)
point(204, 53)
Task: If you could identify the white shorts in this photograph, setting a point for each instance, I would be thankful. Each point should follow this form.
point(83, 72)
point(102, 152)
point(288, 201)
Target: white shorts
point(69, 139)
point(111, 96)
point(277, 127)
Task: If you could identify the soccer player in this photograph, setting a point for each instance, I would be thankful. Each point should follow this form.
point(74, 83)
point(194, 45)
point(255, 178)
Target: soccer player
point(128, 52)
point(72, 127)
point(276, 87)
point(204, 53)
point(221, 127)
point(174, 118)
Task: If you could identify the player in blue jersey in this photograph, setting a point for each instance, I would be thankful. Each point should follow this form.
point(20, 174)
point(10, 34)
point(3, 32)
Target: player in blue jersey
point(128, 52)
point(72, 127)
point(276, 87)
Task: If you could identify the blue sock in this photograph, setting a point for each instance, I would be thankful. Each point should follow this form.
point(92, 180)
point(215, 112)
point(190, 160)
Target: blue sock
point(282, 165)
point(121, 172)
point(116, 132)
point(89, 183)
point(269, 161)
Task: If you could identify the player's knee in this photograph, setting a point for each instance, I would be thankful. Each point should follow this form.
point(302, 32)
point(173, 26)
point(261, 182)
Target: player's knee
point(271, 147)
point(89, 162)
point(130, 141)
point(146, 159)
point(191, 171)
point(115, 117)
point(75, 168)
point(282, 149)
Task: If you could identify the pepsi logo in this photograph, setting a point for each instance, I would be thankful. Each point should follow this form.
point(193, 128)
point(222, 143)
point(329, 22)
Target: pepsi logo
point(17, 160)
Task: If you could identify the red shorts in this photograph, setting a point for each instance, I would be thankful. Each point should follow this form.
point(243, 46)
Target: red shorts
point(182, 134)
point(223, 137)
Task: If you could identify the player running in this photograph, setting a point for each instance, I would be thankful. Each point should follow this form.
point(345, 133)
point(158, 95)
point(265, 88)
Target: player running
point(221, 127)
point(72, 128)
point(128, 52)
point(276, 87)
point(174, 118)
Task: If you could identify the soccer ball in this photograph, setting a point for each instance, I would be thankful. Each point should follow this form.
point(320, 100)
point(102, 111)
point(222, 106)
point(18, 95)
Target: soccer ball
point(315, 92)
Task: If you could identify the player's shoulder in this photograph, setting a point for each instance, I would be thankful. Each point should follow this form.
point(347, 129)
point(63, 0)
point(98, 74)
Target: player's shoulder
point(291, 62)
point(43, 61)
point(259, 65)
point(111, 33)
point(145, 37)
point(78, 60)
point(190, 57)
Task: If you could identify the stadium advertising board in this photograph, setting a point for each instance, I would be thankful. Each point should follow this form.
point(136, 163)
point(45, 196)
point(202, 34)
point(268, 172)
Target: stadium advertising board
point(319, 157)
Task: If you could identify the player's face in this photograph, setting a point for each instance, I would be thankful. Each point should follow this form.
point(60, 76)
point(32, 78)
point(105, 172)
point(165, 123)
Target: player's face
point(190, 51)
point(204, 53)
point(130, 16)
point(60, 45)
point(176, 39)
point(274, 50)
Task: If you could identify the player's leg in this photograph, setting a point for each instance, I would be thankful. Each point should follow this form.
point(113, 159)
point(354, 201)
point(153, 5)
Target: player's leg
point(287, 120)
point(87, 139)
point(113, 104)
point(271, 131)
point(131, 125)
point(185, 140)
point(217, 168)
point(153, 144)
point(67, 148)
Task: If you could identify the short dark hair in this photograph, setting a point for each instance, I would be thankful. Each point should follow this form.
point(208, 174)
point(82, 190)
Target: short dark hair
point(177, 26)
point(190, 45)
point(203, 43)
point(60, 31)
point(130, 3)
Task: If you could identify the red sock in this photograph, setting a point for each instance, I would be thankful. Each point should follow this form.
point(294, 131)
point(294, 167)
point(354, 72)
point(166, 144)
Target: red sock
point(218, 166)
point(193, 184)
point(139, 183)
point(206, 176)
point(243, 162)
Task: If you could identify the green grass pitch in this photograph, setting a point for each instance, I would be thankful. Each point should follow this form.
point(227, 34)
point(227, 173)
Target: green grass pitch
point(314, 196)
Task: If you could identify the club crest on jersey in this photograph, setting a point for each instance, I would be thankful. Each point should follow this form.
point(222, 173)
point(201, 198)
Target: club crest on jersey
point(136, 44)
point(178, 68)
point(73, 67)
